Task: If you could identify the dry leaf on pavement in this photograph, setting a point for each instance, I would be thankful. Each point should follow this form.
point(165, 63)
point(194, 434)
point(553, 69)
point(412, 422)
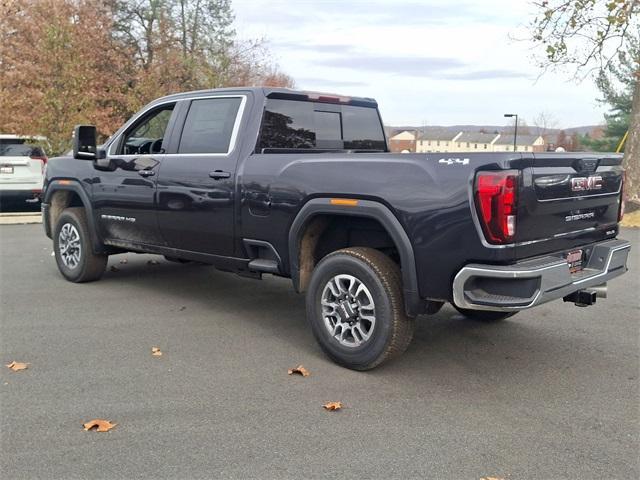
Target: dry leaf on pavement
point(300, 370)
point(155, 351)
point(102, 425)
point(17, 366)
point(332, 406)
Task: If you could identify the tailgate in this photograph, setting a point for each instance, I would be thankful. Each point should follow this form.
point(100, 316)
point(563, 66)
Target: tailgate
point(568, 199)
point(20, 170)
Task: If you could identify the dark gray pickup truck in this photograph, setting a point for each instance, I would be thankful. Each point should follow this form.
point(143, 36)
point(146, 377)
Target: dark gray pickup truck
point(301, 185)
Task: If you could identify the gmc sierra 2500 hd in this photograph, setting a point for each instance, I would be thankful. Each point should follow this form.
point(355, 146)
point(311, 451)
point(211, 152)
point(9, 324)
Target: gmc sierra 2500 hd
point(301, 185)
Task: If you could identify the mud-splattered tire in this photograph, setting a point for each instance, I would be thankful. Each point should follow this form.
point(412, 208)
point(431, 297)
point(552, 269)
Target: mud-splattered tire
point(487, 316)
point(348, 289)
point(73, 250)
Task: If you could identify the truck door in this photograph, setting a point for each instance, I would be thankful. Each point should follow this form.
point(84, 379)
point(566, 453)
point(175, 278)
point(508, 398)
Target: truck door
point(196, 185)
point(124, 184)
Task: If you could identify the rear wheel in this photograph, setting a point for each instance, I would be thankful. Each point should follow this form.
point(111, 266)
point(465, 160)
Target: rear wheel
point(355, 308)
point(484, 315)
point(72, 247)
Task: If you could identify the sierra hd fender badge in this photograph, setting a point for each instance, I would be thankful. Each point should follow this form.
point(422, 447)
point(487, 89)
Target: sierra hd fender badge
point(118, 218)
point(579, 216)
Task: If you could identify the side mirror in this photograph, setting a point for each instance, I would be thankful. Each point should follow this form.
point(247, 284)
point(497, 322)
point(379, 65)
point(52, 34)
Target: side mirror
point(84, 142)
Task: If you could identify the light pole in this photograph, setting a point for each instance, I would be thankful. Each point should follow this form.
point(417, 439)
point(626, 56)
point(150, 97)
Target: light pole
point(515, 132)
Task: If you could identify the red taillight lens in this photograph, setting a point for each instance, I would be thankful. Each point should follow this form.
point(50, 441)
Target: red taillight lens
point(496, 196)
point(621, 210)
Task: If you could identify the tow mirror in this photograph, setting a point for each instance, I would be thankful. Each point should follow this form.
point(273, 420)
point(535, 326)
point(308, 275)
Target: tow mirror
point(84, 142)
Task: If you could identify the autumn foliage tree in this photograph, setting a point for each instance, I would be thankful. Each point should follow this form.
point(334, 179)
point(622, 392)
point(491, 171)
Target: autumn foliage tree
point(596, 37)
point(65, 62)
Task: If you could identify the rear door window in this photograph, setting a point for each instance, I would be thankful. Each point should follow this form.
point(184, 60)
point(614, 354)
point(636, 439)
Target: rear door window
point(209, 125)
point(295, 125)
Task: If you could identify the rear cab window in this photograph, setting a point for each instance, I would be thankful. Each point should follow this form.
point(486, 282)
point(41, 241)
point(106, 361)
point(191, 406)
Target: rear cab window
point(295, 125)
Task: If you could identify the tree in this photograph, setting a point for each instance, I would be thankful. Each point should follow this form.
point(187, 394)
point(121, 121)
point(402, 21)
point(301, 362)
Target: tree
point(617, 92)
point(544, 122)
point(55, 71)
point(595, 36)
point(65, 62)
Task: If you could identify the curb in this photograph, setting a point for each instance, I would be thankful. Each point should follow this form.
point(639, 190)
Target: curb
point(20, 218)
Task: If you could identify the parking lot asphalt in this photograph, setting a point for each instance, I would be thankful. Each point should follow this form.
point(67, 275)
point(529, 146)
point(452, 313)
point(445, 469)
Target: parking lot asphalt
point(551, 393)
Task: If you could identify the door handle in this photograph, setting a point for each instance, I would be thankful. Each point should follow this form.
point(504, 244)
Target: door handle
point(146, 173)
point(219, 174)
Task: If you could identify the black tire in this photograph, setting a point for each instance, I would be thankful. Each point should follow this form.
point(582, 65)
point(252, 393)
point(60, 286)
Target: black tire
point(393, 330)
point(487, 316)
point(90, 266)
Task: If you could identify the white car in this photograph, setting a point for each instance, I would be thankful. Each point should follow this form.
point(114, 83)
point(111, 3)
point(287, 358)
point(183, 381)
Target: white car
point(22, 164)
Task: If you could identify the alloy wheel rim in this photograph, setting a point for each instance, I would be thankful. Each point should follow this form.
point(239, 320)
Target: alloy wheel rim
point(348, 310)
point(69, 245)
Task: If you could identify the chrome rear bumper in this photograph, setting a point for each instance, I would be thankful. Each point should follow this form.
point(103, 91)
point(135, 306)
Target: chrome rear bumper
point(532, 282)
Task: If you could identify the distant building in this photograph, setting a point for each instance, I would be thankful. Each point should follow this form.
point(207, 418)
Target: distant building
point(404, 141)
point(525, 143)
point(438, 141)
point(475, 142)
point(443, 141)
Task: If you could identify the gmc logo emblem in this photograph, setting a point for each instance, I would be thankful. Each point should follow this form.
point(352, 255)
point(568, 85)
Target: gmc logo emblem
point(583, 184)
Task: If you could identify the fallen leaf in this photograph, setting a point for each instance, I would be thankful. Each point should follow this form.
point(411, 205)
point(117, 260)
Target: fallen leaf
point(153, 262)
point(300, 370)
point(183, 308)
point(103, 425)
point(332, 406)
point(114, 268)
point(124, 260)
point(155, 351)
point(17, 366)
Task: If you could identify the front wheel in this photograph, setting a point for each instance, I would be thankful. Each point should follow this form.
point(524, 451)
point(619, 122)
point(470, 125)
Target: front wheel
point(72, 247)
point(487, 316)
point(355, 308)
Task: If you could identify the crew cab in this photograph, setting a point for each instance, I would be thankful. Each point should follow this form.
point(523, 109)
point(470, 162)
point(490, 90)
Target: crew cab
point(302, 185)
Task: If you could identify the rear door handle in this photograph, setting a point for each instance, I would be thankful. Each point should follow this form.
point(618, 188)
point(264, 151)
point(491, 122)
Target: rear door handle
point(219, 174)
point(146, 173)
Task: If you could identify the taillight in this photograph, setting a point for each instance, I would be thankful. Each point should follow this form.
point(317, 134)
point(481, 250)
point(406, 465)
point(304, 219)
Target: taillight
point(42, 158)
point(496, 196)
point(621, 209)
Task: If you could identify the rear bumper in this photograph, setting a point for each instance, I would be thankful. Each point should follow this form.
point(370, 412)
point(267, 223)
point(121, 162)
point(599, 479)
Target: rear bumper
point(20, 193)
point(536, 281)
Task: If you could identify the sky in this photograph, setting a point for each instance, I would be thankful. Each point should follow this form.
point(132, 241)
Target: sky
point(426, 62)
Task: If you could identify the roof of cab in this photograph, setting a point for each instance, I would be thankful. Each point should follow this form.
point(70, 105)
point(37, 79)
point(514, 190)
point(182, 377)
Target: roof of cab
point(266, 92)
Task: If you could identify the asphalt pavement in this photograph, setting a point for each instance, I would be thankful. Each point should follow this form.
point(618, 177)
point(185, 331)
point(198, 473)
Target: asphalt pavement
point(552, 393)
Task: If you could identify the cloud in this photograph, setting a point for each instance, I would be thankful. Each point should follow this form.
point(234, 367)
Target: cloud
point(483, 75)
point(314, 47)
point(329, 83)
point(439, 68)
point(398, 65)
